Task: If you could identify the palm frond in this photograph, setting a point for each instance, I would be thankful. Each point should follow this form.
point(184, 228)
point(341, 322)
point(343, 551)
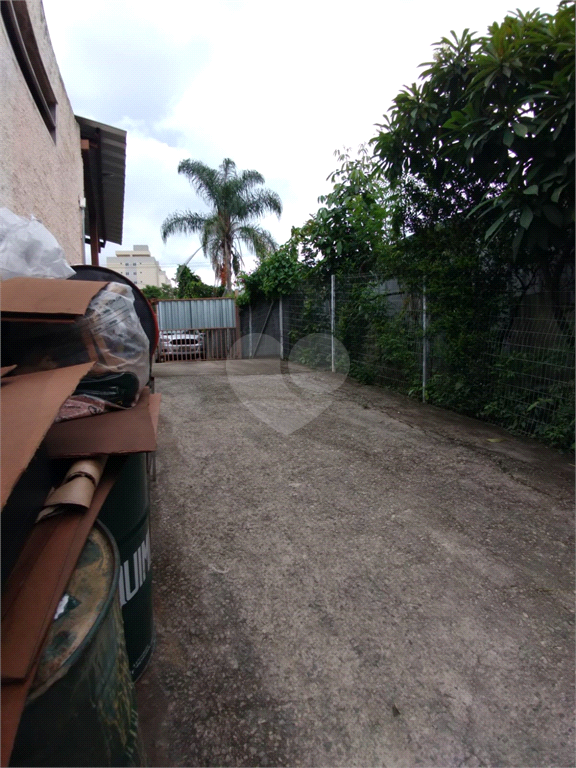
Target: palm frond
point(216, 255)
point(256, 239)
point(212, 243)
point(236, 261)
point(262, 202)
point(249, 179)
point(204, 180)
point(227, 170)
point(184, 223)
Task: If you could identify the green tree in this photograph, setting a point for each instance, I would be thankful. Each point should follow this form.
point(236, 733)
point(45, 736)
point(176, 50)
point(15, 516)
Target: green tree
point(164, 292)
point(349, 234)
point(190, 286)
point(278, 274)
point(236, 202)
point(350, 231)
point(489, 134)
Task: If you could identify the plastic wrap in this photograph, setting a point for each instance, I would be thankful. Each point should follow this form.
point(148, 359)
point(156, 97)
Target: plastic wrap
point(112, 327)
point(28, 249)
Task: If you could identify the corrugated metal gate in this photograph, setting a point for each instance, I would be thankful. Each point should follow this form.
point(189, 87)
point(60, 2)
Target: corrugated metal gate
point(192, 329)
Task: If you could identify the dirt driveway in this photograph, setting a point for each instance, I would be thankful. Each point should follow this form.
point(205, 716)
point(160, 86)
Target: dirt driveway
point(381, 584)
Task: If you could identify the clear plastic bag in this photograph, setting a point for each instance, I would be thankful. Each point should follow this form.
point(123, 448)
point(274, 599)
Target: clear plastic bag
point(112, 327)
point(28, 249)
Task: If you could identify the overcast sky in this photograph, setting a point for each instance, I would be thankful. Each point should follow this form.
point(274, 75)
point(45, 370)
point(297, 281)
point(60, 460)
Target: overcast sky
point(277, 87)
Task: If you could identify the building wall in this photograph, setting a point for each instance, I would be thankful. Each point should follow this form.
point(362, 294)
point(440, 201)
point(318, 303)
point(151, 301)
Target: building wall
point(139, 266)
point(40, 174)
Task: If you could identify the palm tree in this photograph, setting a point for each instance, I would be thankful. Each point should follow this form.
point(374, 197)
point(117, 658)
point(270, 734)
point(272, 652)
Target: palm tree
point(236, 203)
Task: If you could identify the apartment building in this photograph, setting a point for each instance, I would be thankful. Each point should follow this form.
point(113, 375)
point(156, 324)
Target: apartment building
point(139, 266)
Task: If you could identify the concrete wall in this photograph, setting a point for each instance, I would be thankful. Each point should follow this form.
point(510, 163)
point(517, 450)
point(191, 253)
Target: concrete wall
point(40, 175)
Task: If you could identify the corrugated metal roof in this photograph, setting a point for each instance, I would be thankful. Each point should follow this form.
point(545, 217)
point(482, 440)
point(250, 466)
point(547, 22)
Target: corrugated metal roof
point(196, 313)
point(112, 172)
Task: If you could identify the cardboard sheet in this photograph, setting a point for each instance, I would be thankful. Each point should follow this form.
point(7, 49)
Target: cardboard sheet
point(28, 407)
point(31, 597)
point(37, 298)
point(39, 578)
point(129, 431)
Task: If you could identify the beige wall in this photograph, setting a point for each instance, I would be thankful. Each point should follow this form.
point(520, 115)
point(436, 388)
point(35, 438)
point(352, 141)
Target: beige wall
point(40, 175)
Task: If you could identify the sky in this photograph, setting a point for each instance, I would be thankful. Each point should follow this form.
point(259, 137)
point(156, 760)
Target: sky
point(277, 87)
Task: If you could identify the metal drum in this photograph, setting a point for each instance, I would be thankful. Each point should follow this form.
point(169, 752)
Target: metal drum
point(142, 306)
point(81, 710)
point(126, 513)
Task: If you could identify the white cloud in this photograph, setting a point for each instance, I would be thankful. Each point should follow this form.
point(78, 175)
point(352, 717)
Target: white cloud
point(276, 87)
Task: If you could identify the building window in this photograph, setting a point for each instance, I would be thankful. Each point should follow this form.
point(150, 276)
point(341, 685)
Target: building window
point(21, 36)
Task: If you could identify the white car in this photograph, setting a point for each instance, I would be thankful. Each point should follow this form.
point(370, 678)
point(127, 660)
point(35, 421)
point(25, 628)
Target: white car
point(180, 345)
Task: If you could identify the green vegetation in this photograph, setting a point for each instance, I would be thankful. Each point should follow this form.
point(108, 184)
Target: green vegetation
point(164, 292)
point(278, 274)
point(236, 203)
point(190, 286)
point(489, 136)
point(468, 197)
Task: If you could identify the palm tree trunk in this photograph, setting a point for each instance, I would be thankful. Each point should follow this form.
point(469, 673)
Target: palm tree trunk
point(228, 264)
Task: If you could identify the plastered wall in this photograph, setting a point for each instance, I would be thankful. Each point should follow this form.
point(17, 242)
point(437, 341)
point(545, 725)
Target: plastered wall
point(40, 175)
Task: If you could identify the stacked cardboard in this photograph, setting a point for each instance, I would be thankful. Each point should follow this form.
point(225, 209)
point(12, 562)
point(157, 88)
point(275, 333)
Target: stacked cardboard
point(29, 405)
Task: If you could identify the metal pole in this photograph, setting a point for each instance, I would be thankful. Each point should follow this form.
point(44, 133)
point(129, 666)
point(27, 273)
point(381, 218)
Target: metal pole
point(82, 204)
point(332, 319)
point(237, 342)
point(264, 327)
point(250, 330)
point(94, 241)
point(424, 343)
point(281, 317)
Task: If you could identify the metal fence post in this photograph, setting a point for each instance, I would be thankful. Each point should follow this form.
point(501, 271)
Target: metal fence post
point(250, 330)
point(237, 342)
point(281, 319)
point(424, 343)
point(264, 327)
point(332, 319)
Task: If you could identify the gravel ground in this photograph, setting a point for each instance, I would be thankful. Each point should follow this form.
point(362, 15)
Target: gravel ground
point(351, 578)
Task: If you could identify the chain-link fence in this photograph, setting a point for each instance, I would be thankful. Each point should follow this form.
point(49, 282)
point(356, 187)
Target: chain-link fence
point(513, 367)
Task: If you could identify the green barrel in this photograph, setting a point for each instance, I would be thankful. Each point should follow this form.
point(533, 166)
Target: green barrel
point(126, 513)
point(81, 710)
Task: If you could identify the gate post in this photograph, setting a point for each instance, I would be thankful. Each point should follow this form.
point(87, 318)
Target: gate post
point(332, 320)
point(424, 343)
point(281, 318)
point(238, 335)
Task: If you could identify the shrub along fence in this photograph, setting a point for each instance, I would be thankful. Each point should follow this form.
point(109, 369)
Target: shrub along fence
point(510, 363)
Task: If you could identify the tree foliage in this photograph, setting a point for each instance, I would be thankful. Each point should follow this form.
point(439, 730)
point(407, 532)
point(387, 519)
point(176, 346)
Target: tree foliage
point(277, 275)
point(468, 200)
point(164, 292)
point(236, 203)
point(190, 286)
point(350, 232)
point(489, 134)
